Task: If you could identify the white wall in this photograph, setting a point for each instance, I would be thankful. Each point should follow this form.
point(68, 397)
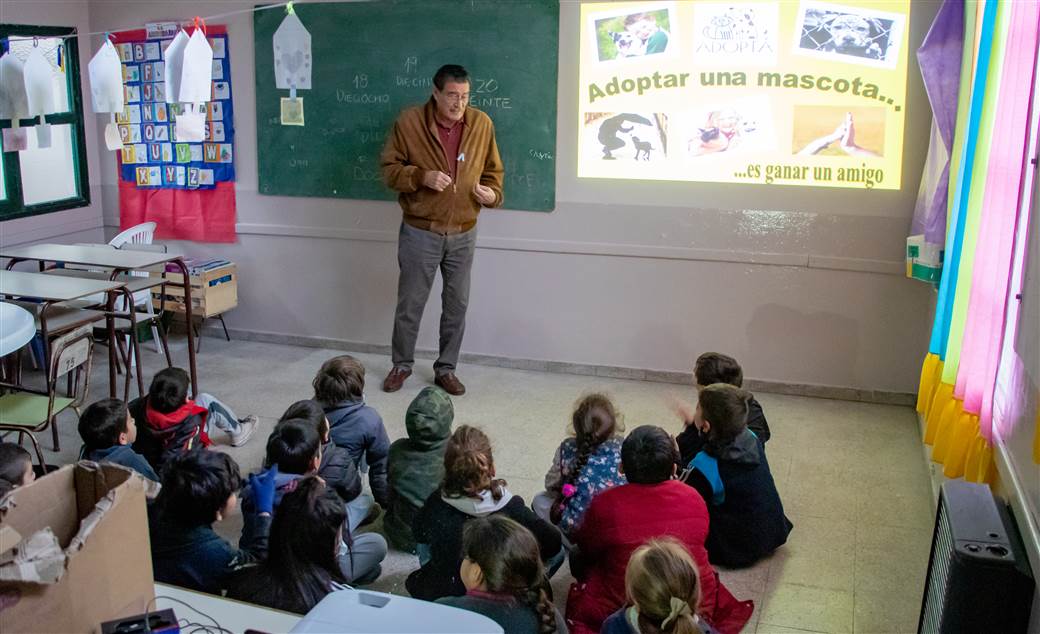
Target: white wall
point(84, 224)
point(1018, 473)
point(802, 286)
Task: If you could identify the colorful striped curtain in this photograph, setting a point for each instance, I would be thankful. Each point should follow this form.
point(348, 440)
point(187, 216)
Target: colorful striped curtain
point(960, 371)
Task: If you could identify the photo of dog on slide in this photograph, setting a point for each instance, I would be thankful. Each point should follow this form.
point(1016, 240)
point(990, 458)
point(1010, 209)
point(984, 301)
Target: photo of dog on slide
point(850, 34)
point(641, 137)
point(739, 126)
point(633, 34)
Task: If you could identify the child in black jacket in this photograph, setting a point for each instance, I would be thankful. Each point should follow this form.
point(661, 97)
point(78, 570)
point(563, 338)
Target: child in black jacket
point(199, 488)
point(337, 468)
point(732, 475)
point(710, 368)
point(469, 490)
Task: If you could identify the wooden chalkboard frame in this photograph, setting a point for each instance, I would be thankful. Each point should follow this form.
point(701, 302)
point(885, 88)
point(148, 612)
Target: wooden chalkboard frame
point(373, 59)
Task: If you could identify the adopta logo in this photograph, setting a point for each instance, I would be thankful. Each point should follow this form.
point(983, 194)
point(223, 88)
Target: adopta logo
point(747, 30)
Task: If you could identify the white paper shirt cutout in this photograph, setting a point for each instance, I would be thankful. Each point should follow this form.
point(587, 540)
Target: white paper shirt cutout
point(106, 79)
point(16, 139)
point(113, 140)
point(197, 70)
point(292, 54)
point(43, 135)
point(174, 59)
point(191, 124)
point(39, 85)
point(14, 104)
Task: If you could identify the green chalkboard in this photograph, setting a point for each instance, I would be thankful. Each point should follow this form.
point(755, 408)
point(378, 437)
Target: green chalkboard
point(371, 60)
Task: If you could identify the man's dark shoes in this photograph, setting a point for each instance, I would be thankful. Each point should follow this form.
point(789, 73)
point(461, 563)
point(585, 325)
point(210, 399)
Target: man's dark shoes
point(396, 378)
point(450, 384)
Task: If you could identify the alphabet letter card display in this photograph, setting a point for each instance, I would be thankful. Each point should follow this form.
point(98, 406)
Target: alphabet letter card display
point(186, 186)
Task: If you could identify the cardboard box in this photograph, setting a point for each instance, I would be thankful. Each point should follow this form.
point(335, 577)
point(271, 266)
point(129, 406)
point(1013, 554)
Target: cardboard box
point(74, 550)
point(213, 292)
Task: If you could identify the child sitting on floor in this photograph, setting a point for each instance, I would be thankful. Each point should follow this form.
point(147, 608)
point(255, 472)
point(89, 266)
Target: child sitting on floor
point(295, 448)
point(302, 564)
point(16, 468)
point(108, 432)
point(171, 423)
point(504, 579)
point(663, 588)
point(732, 475)
point(337, 468)
point(416, 463)
point(469, 490)
point(339, 386)
point(199, 488)
point(652, 504)
point(711, 368)
point(584, 466)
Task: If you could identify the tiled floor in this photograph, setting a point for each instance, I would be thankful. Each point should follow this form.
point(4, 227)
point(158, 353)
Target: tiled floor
point(851, 475)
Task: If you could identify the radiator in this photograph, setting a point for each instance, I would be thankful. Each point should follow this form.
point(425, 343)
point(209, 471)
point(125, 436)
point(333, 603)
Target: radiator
point(978, 575)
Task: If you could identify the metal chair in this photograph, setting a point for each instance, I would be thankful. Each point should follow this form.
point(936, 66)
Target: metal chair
point(27, 410)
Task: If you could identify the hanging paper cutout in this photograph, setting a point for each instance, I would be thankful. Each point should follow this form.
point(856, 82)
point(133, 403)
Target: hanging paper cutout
point(43, 135)
point(174, 60)
point(191, 123)
point(292, 55)
point(106, 79)
point(15, 139)
point(113, 139)
point(14, 103)
point(39, 84)
point(196, 71)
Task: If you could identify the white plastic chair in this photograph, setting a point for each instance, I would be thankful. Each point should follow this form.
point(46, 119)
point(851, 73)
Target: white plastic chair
point(139, 234)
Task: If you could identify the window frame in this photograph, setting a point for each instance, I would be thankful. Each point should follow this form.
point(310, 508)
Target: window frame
point(14, 205)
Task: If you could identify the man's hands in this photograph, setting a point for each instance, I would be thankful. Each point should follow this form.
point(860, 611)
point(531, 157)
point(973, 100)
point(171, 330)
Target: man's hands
point(485, 195)
point(437, 181)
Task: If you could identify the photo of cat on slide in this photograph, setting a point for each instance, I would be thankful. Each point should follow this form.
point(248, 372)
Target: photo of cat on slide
point(625, 136)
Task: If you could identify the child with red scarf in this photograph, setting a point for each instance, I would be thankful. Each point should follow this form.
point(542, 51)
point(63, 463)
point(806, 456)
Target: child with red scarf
point(169, 423)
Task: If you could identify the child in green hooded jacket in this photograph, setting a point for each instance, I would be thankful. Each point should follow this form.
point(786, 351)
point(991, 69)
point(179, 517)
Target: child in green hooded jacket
point(416, 463)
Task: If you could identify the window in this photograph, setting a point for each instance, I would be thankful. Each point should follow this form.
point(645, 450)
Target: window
point(39, 180)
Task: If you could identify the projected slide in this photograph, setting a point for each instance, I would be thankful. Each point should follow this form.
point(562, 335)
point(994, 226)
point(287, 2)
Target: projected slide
point(776, 93)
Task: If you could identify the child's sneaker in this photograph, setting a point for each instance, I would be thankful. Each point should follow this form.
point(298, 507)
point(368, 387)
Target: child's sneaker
point(246, 428)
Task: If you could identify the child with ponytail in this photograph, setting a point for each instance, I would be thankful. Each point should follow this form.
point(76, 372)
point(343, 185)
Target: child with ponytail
point(663, 587)
point(584, 465)
point(504, 578)
point(469, 490)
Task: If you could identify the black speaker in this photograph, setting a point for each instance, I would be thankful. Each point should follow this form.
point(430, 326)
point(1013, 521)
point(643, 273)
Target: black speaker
point(978, 575)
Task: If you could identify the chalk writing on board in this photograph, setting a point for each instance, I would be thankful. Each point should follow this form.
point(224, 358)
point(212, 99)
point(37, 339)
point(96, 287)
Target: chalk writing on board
point(301, 163)
point(343, 96)
point(503, 103)
point(540, 156)
point(481, 85)
point(362, 174)
point(413, 82)
point(411, 63)
point(522, 180)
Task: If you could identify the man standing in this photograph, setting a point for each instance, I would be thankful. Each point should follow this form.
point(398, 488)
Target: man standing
point(443, 160)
